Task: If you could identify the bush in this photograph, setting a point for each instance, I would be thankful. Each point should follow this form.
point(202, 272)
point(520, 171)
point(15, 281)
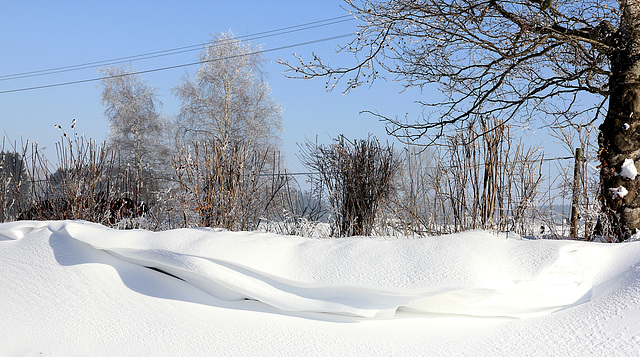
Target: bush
point(357, 177)
point(87, 185)
point(14, 185)
point(226, 185)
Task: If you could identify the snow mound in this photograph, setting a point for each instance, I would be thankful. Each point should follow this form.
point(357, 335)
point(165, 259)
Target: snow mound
point(197, 260)
point(62, 279)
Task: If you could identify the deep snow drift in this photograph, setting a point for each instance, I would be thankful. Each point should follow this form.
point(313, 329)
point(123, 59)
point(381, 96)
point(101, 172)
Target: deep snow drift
point(77, 288)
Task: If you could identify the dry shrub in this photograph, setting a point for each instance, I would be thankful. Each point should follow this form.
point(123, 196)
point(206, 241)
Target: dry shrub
point(14, 182)
point(475, 178)
point(356, 177)
point(87, 183)
point(226, 185)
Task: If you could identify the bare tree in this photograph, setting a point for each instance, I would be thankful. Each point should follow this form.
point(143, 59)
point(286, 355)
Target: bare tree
point(228, 98)
point(514, 60)
point(137, 129)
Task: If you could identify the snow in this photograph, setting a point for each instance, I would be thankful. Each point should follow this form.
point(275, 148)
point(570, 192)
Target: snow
point(628, 169)
point(78, 288)
point(619, 191)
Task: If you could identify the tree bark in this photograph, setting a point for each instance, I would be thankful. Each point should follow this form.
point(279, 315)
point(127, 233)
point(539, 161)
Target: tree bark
point(619, 137)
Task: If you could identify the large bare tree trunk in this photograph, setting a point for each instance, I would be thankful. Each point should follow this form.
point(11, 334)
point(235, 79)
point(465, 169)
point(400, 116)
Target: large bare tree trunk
point(620, 132)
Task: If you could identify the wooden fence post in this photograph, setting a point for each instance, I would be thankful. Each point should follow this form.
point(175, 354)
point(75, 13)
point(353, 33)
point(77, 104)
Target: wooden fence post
point(573, 232)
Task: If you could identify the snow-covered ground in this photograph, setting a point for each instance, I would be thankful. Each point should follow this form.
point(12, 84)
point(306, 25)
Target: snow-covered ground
point(77, 288)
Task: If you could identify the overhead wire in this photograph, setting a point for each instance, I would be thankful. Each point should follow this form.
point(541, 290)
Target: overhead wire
point(178, 50)
point(176, 66)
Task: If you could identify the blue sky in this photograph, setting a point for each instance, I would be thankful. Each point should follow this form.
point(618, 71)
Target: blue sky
point(39, 35)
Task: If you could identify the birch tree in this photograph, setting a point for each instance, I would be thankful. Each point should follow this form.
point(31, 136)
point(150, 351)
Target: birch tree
point(137, 130)
point(228, 99)
point(563, 61)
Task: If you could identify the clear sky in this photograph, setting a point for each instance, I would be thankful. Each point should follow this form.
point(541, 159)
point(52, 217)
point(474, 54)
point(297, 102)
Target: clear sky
point(38, 35)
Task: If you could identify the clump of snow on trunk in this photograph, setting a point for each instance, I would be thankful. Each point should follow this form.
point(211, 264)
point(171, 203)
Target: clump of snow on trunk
point(619, 191)
point(629, 170)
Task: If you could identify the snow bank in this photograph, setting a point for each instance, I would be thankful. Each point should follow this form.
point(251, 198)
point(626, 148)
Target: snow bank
point(79, 288)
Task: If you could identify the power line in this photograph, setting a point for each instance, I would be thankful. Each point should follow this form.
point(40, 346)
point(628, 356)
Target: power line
point(312, 173)
point(176, 66)
point(178, 50)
